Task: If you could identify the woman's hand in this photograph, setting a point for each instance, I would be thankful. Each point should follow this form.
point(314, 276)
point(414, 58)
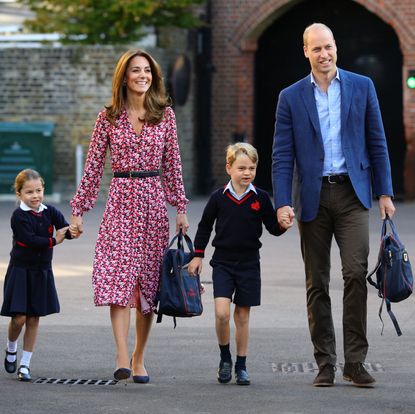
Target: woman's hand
point(76, 226)
point(182, 223)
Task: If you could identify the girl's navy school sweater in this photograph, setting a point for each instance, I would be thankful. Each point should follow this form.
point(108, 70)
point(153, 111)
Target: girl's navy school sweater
point(238, 225)
point(33, 239)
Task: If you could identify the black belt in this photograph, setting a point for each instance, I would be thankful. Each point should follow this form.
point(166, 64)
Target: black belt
point(136, 174)
point(336, 179)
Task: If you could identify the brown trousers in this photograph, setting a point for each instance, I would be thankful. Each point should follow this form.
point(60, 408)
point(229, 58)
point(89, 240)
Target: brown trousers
point(340, 215)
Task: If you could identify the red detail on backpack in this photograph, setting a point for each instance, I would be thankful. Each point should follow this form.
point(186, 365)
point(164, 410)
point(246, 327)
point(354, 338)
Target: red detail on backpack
point(50, 229)
point(256, 205)
point(191, 293)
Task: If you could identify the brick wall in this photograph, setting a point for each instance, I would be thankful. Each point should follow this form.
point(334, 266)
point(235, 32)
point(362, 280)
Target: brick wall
point(236, 27)
point(68, 86)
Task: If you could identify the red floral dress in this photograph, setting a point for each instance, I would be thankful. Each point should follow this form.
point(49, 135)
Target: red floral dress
point(135, 229)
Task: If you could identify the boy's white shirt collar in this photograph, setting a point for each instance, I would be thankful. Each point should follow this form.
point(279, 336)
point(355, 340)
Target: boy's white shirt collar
point(25, 207)
point(233, 192)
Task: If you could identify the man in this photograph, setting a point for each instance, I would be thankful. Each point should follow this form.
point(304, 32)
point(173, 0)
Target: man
point(329, 143)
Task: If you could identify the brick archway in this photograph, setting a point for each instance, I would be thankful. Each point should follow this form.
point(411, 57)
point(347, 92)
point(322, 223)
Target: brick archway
point(249, 30)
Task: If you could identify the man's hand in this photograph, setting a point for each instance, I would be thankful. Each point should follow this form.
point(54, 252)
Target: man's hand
point(386, 206)
point(285, 217)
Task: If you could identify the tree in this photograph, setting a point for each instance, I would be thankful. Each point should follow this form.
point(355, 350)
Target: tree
point(107, 21)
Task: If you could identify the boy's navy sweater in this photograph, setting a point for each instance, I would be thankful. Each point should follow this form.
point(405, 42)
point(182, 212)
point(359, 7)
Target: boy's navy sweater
point(238, 225)
point(33, 239)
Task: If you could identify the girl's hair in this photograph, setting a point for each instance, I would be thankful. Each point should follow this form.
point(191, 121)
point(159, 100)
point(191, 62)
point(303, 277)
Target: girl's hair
point(26, 175)
point(155, 98)
point(232, 152)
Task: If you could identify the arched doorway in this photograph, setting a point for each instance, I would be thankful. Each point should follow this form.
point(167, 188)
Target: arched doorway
point(366, 45)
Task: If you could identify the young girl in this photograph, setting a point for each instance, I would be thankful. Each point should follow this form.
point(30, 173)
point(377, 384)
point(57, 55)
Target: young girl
point(29, 287)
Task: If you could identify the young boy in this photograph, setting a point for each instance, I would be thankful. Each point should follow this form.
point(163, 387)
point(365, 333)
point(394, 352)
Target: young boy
point(239, 210)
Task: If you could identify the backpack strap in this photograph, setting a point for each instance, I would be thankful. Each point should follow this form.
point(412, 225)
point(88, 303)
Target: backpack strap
point(160, 317)
point(369, 276)
point(391, 315)
point(393, 230)
point(179, 237)
point(379, 262)
point(188, 240)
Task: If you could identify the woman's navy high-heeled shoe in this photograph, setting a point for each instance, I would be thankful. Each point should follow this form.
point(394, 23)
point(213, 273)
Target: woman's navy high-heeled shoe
point(122, 374)
point(141, 379)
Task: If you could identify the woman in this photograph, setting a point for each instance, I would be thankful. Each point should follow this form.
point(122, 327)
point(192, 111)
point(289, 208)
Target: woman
point(139, 128)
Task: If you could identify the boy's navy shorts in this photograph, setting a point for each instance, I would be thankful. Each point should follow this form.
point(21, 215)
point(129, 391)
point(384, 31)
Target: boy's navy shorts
point(240, 281)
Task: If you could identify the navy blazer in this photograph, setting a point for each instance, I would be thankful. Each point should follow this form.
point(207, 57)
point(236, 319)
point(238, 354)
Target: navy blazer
point(298, 152)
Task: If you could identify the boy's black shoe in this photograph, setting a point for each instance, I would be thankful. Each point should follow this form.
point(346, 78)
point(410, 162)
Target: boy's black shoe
point(357, 374)
point(242, 377)
point(325, 376)
point(23, 376)
point(10, 367)
point(224, 372)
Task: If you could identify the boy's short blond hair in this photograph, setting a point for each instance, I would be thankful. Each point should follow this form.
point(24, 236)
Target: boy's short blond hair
point(232, 152)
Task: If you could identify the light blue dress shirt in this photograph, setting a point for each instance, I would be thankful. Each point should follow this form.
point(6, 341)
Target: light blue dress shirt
point(232, 191)
point(328, 108)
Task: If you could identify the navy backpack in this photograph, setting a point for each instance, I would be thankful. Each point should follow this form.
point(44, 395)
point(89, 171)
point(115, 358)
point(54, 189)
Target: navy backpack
point(394, 280)
point(179, 294)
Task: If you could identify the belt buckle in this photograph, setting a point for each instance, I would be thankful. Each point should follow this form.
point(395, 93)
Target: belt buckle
point(130, 174)
point(329, 180)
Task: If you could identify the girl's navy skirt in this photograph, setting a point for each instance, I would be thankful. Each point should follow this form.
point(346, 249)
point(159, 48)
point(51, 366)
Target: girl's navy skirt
point(31, 292)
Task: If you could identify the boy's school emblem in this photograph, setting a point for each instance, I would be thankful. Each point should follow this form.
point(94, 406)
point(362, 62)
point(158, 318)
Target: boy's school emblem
point(255, 205)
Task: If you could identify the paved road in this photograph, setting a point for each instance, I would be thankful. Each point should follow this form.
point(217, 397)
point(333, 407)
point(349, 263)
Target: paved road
point(77, 343)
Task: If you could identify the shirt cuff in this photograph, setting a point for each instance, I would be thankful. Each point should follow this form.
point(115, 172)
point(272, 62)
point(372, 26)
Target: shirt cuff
point(77, 212)
point(181, 209)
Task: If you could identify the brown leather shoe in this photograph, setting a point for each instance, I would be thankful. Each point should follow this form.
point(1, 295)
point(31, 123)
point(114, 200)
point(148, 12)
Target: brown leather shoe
point(325, 376)
point(357, 374)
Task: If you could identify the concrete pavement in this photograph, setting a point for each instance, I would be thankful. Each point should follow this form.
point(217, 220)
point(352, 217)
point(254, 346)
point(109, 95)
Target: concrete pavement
point(77, 343)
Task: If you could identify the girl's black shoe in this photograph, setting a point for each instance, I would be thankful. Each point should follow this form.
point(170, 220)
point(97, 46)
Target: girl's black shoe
point(23, 376)
point(10, 367)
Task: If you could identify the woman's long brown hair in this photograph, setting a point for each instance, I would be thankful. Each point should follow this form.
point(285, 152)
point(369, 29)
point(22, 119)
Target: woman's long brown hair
point(155, 100)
